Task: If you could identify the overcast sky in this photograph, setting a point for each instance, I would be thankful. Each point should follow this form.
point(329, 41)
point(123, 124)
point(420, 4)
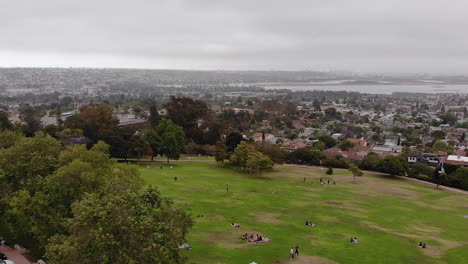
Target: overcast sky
point(355, 35)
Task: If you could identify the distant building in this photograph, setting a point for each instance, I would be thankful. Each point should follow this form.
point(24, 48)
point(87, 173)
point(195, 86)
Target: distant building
point(457, 160)
point(358, 141)
point(428, 159)
point(461, 145)
point(337, 136)
point(291, 146)
point(387, 148)
point(133, 123)
point(265, 137)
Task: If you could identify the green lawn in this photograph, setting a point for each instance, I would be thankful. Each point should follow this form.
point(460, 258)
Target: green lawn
point(389, 216)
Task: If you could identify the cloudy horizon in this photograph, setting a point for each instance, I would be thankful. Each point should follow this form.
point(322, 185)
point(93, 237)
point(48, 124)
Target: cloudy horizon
point(362, 36)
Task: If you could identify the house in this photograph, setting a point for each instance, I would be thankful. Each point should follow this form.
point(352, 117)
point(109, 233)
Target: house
point(334, 152)
point(134, 123)
point(291, 145)
point(337, 136)
point(358, 141)
point(357, 153)
point(457, 160)
point(428, 159)
point(265, 137)
point(461, 145)
point(387, 148)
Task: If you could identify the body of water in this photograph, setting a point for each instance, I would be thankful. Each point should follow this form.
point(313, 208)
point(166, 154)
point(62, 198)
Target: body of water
point(374, 88)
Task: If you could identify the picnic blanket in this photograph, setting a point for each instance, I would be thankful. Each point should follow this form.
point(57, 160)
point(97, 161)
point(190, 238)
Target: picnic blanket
point(264, 240)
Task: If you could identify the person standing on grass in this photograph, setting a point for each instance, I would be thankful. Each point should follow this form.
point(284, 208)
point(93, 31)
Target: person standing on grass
point(175, 178)
point(296, 249)
point(304, 179)
point(291, 252)
point(227, 187)
point(160, 167)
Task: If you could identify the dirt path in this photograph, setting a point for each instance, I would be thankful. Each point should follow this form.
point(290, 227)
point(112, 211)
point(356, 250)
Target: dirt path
point(383, 174)
point(14, 255)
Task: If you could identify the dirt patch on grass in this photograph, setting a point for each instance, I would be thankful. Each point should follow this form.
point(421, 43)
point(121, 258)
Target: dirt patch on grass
point(335, 203)
point(302, 203)
point(331, 219)
point(427, 229)
point(217, 217)
point(194, 189)
point(231, 238)
point(309, 194)
point(423, 204)
point(307, 260)
point(379, 187)
point(267, 218)
point(346, 206)
point(431, 250)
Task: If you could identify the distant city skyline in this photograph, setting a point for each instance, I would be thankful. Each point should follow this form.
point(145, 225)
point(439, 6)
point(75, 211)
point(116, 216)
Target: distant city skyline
point(395, 36)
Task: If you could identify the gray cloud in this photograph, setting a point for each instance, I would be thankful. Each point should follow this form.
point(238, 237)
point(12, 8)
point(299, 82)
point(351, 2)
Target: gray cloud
point(360, 35)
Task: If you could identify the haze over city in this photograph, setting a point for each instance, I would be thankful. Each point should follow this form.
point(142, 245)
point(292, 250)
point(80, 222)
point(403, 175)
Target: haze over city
point(363, 36)
point(233, 132)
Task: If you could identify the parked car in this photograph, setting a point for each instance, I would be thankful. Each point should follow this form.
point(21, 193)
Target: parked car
point(6, 262)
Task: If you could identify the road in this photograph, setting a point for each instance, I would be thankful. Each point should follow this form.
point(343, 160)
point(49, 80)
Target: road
point(14, 255)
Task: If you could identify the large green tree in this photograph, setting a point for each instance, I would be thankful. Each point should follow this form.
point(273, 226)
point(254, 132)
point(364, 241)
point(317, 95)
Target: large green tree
point(93, 120)
point(8, 138)
point(220, 151)
point(5, 121)
point(327, 140)
point(154, 117)
point(129, 227)
point(171, 139)
point(232, 140)
point(459, 178)
point(393, 165)
point(26, 162)
point(258, 161)
point(305, 156)
point(187, 112)
point(241, 154)
point(31, 118)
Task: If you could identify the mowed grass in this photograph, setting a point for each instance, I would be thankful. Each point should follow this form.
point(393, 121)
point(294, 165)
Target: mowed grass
point(389, 216)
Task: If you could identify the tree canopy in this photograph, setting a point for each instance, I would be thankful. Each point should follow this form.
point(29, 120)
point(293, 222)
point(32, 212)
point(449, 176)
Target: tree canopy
point(171, 139)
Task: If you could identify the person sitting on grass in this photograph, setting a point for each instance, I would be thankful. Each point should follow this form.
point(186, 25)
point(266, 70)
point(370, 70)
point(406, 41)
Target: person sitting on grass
point(185, 246)
point(307, 223)
point(355, 240)
point(235, 225)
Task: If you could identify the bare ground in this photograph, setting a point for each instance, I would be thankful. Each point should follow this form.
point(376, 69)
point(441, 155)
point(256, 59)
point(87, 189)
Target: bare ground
point(303, 259)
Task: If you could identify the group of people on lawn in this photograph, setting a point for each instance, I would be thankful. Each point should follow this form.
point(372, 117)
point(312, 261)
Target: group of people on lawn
point(254, 238)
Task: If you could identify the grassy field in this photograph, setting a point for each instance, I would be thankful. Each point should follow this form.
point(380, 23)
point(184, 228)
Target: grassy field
point(389, 216)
